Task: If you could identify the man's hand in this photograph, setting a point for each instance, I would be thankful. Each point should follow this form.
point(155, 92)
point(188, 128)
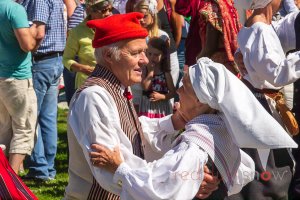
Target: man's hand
point(209, 184)
point(105, 158)
point(238, 59)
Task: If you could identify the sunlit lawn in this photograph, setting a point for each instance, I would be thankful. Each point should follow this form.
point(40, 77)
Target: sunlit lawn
point(54, 190)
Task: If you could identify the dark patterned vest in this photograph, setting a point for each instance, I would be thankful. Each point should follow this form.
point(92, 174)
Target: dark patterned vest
point(128, 118)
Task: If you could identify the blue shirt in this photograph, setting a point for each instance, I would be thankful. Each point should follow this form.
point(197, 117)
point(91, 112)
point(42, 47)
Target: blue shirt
point(51, 13)
point(14, 62)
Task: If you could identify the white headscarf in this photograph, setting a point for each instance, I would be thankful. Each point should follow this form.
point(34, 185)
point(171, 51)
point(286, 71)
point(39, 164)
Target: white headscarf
point(251, 4)
point(246, 119)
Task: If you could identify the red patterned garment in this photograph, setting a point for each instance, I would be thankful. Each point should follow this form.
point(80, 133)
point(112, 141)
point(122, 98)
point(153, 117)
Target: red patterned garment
point(222, 15)
point(11, 186)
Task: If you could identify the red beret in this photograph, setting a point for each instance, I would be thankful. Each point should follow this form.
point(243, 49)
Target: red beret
point(116, 28)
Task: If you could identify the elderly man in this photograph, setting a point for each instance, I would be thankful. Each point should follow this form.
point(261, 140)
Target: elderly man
point(102, 111)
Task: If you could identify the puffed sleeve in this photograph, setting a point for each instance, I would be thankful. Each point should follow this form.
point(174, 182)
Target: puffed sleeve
point(177, 175)
point(159, 135)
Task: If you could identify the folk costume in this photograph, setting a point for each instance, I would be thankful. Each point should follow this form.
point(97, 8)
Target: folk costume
point(215, 137)
point(102, 112)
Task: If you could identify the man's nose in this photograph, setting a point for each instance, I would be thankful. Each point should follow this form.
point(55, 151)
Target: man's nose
point(144, 58)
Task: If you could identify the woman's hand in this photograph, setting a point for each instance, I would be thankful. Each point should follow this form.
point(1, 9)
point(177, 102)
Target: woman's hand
point(105, 158)
point(156, 96)
point(86, 69)
point(209, 184)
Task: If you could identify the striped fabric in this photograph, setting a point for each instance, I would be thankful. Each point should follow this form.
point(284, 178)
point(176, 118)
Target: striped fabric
point(11, 186)
point(128, 118)
point(77, 17)
point(209, 132)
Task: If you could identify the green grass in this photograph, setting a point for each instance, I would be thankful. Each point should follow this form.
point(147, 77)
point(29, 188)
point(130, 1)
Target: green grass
point(54, 190)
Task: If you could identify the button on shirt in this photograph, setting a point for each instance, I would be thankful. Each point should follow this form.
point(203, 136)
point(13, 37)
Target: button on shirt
point(51, 13)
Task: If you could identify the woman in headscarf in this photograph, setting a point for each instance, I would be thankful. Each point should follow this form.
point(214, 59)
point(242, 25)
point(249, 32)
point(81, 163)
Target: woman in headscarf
point(217, 126)
point(219, 26)
point(267, 70)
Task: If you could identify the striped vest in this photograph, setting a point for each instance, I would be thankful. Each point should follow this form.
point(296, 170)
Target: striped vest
point(128, 118)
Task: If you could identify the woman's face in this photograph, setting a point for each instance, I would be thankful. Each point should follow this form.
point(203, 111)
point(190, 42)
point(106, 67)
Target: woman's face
point(190, 106)
point(154, 55)
point(147, 20)
point(100, 12)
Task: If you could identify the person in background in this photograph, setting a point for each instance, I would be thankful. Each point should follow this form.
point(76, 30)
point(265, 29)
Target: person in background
point(219, 26)
point(79, 42)
point(295, 185)
point(78, 15)
point(288, 6)
point(76, 18)
point(70, 6)
point(47, 19)
point(150, 22)
point(170, 22)
point(158, 87)
point(193, 43)
point(288, 30)
point(18, 104)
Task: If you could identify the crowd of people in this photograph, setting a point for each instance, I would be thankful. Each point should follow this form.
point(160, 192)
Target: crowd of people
point(149, 119)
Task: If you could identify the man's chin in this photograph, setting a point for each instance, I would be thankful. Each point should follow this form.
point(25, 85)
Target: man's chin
point(136, 80)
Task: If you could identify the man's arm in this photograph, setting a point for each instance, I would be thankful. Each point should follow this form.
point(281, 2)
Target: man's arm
point(176, 23)
point(25, 39)
point(70, 5)
point(38, 31)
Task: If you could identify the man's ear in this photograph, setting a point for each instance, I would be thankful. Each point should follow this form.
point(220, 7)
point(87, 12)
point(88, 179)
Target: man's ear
point(108, 57)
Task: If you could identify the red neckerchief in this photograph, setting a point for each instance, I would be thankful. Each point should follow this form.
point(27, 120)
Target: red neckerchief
point(127, 94)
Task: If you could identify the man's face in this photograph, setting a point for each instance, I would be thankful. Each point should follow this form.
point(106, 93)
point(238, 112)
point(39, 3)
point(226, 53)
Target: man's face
point(297, 2)
point(99, 12)
point(128, 69)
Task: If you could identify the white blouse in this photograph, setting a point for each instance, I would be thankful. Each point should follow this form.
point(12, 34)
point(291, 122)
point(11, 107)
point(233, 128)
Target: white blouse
point(176, 176)
point(285, 29)
point(264, 58)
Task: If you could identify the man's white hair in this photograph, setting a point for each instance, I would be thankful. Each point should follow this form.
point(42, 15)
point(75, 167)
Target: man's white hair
point(114, 49)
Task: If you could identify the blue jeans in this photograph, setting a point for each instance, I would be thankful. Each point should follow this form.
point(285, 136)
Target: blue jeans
point(45, 75)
